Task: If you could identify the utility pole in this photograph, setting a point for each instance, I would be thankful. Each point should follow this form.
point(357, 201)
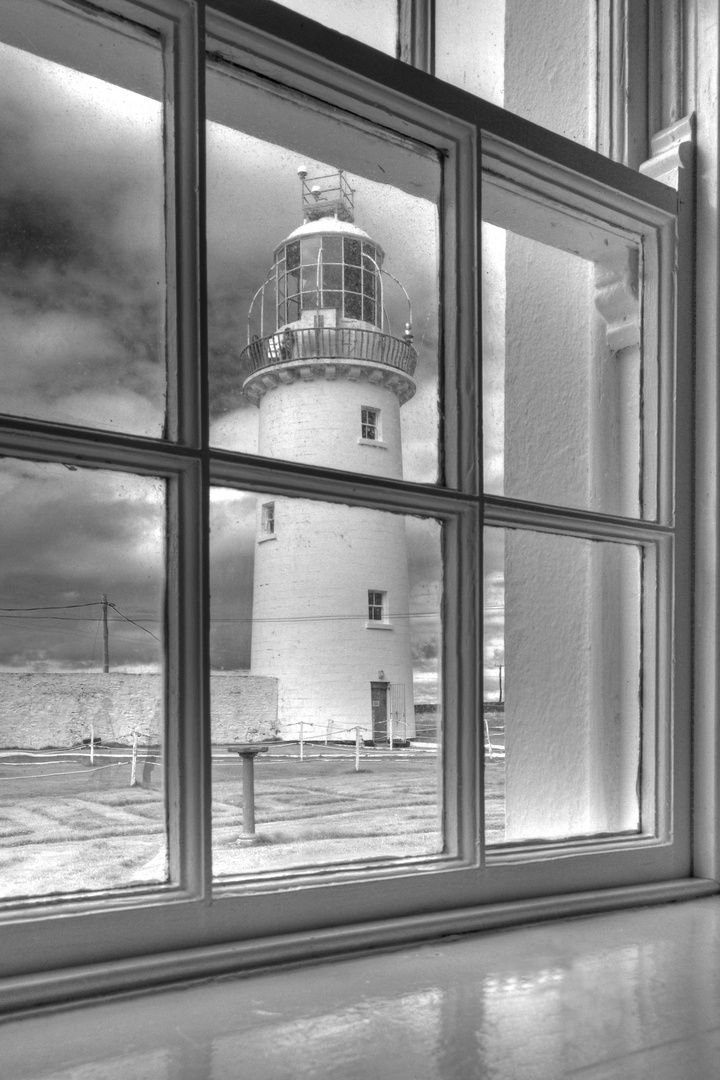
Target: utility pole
point(106, 649)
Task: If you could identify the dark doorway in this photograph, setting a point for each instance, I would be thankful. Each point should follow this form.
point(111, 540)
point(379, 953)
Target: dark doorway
point(378, 699)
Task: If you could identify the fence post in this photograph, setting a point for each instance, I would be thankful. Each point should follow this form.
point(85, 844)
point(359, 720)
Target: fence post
point(487, 736)
point(302, 746)
point(134, 759)
point(92, 744)
point(357, 749)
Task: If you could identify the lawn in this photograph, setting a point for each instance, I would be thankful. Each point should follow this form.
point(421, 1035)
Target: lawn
point(70, 825)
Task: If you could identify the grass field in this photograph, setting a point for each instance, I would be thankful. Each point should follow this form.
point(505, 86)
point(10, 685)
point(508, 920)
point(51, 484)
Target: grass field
point(73, 826)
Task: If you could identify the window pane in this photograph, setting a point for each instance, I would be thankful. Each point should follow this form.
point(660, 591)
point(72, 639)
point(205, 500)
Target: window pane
point(325, 645)
point(82, 252)
point(332, 278)
point(300, 402)
point(569, 398)
point(332, 249)
point(536, 59)
point(352, 252)
point(374, 22)
point(562, 685)
point(81, 679)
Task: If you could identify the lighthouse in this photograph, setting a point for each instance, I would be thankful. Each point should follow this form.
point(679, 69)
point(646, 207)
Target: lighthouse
point(330, 592)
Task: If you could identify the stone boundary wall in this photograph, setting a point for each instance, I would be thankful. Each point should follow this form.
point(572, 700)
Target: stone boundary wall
point(43, 709)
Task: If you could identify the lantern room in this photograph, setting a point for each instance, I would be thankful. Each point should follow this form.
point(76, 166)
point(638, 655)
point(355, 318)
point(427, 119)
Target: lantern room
point(326, 299)
point(329, 264)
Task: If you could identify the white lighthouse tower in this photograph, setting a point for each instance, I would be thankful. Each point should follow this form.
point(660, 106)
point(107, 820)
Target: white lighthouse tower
point(330, 601)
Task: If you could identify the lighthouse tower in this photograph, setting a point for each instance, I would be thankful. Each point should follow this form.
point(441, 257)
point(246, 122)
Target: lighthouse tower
point(330, 601)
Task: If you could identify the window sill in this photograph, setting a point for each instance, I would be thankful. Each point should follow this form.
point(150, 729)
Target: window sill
point(372, 624)
point(264, 539)
point(379, 444)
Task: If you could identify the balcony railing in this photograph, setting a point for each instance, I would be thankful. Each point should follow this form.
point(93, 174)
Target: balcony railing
point(329, 343)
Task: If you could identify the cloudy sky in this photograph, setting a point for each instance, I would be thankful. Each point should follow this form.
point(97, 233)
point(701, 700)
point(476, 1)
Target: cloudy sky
point(81, 305)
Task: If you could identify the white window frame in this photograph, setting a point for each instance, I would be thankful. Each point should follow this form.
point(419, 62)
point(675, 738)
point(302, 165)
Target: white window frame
point(367, 424)
point(383, 621)
point(267, 521)
point(59, 948)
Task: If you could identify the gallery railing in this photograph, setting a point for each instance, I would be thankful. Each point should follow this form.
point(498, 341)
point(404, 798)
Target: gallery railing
point(328, 343)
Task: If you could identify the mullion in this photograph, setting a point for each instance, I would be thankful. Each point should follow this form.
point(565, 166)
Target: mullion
point(96, 450)
point(295, 480)
point(572, 522)
point(188, 735)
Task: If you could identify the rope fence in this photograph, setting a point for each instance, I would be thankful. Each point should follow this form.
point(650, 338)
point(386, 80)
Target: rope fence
point(92, 746)
point(136, 754)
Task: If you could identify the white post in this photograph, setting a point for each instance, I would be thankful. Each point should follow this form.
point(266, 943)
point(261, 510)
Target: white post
point(92, 744)
point(134, 759)
point(328, 730)
point(487, 736)
point(302, 748)
point(357, 749)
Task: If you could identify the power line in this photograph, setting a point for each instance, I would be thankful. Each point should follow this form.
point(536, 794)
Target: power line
point(51, 607)
point(133, 622)
point(289, 618)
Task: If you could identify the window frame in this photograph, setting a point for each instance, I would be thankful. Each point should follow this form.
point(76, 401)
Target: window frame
point(383, 619)
point(152, 934)
point(267, 520)
point(367, 424)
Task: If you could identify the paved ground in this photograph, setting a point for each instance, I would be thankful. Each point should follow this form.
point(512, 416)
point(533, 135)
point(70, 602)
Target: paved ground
point(69, 825)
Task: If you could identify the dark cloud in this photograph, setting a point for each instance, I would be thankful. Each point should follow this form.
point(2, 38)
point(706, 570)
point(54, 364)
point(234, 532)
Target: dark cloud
point(427, 650)
point(66, 537)
point(33, 228)
point(81, 259)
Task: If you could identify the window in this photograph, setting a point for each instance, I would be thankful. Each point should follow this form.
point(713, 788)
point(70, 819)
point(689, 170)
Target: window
point(267, 521)
point(370, 424)
point(581, 533)
point(377, 606)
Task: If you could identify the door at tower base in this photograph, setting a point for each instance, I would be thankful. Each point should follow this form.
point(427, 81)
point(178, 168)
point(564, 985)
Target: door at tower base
point(378, 695)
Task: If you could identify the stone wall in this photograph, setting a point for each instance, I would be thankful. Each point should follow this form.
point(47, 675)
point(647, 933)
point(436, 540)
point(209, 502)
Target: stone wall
point(59, 708)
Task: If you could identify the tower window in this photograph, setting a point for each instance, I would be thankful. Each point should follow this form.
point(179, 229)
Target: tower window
point(267, 519)
point(377, 606)
point(370, 424)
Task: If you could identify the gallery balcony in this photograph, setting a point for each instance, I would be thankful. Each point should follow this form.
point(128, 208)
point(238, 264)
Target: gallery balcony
point(327, 344)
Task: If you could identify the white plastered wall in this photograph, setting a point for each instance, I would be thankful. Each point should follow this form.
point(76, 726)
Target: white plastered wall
point(316, 420)
point(572, 607)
